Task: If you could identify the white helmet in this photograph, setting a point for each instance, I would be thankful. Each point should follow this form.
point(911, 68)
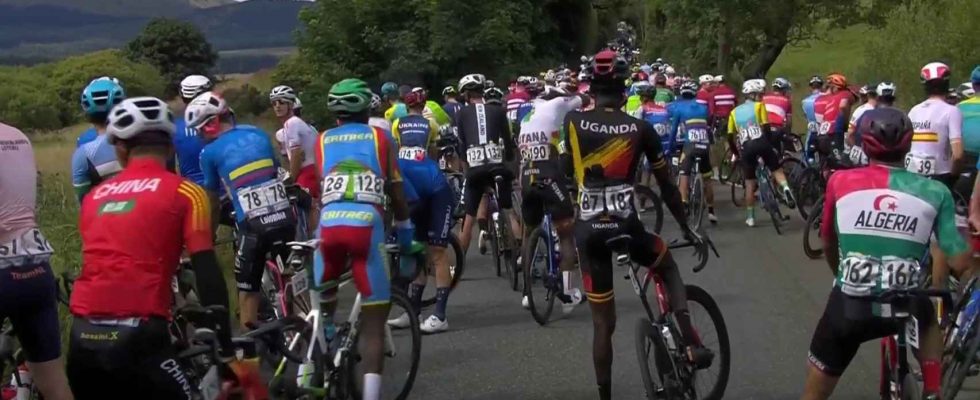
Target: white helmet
point(204, 107)
point(194, 85)
point(720, 78)
point(137, 115)
point(706, 78)
point(107, 78)
point(298, 105)
point(283, 92)
point(375, 101)
point(669, 70)
point(886, 89)
point(472, 82)
point(966, 89)
point(754, 86)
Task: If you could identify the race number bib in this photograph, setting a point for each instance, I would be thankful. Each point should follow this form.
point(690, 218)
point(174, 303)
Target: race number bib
point(920, 164)
point(661, 129)
point(29, 248)
point(263, 199)
point(414, 153)
point(824, 128)
point(697, 135)
point(898, 273)
point(362, 187)
point(857, 155)
point(490, 153)
point(539, 152)
point(812, 127)
point(750, 132)
point(613, 200)
point(860, 275)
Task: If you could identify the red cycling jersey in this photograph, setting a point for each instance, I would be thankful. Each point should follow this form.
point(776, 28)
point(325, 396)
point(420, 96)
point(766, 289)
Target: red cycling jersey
point(704, 97)
point(722, 101)
point(134, 227)
point(827, 109)
point(779, 109)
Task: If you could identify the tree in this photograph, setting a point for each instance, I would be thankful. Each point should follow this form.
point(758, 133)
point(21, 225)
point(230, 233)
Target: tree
point(175, 48)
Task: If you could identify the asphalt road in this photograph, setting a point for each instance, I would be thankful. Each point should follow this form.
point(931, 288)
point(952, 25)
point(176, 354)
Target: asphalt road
point(771, 295)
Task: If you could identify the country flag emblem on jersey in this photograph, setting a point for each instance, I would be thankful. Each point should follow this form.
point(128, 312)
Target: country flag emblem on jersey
point(886, 201)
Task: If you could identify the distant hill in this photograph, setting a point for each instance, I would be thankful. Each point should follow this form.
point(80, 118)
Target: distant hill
point(34, 31)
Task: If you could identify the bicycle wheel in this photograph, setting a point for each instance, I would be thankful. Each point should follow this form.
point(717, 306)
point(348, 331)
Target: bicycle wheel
point(655, 361)
point(813, 250)
point(710, 325)
point(457, 265)
point(737, 183)
point(540, 296)
point(793, 169)
point(808, 192)
point(956, 366)
point(695, 202)
point(494, 244)
point(657, 205)
point(402, 353)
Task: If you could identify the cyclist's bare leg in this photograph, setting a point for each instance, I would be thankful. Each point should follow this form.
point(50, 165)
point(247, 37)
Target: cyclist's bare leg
point(248, 305)
point(709, 192)
point(750, 187)
point(603, 325)
point(372, 338)
point(819, 386)
point(515, 225)
point(683, 186)
point(780, 177)
point(50, 378)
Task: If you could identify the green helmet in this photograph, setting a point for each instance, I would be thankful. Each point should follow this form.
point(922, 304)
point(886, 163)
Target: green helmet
point(349, 96)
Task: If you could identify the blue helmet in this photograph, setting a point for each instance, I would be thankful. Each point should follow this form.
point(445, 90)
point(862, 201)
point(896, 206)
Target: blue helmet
point(101, 95)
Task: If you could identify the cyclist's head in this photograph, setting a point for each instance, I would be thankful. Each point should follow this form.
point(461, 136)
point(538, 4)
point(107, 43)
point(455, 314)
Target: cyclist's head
point(376, 106)
point(660, 80)
point(646, 91)
point(350, 100)
point(966, 90)
point(141, 126)
point(534, 86)
point(689, 90)
point(609, 73)
point(100, 96)
point(415, 100)
point(753, 88)
point(836, 82)
point(449, 92)
point(283, 99)
point(210, 114)
point(781, 85)
point(935, 78)
point(952, 96)
point(192, 86)
point(816, 82)
point(389, 91)
point(494, 96)
point(472, 86)
point(706, 80)
point(975, 79)
point(886, 92)
point(298, 108)
point(886, 134)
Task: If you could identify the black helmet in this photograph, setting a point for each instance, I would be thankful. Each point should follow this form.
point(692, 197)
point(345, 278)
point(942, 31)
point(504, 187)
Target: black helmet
point(816, 80)
point(886, 134)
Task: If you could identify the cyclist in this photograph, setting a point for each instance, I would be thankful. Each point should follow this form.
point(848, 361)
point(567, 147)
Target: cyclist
point(494, 96)
point(659, 118)
point(812, 126)
point(484, 135)
point(416, 138)
point(706, 83)
point(27, 285)
point(600, 174)
point(359, 168)
point(690, 118)
point(937, 143)
point(970, 110)
point(94, 160)
point(544, 186)
point(855, 154)
point(750, 121)
point(779, 111)
point(877, 224)
point(515, 98)
point(92, 132)
point(886, 95)
point(389, 95)
point(376, 118)
point(720, 106)
point(663, 94)
point(832, 109)
point(633, 100)
point(187, 143)
point(134, 228)
point(299, 141)
point(242, 161)
point(451, 104)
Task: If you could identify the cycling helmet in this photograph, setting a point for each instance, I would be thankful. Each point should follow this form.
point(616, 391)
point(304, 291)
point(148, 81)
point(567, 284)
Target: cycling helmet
point(754, 86)
point(389, 90)
point(660, 79)
point(375, 101)
point(952, 95)
point(935, 71)
point(966, 89)
point(101, 95)
point(449, 91)
point(781, 84)
point(886, 89)
point(816, 80)
point(137, 115)
point(608, 65)
point(719, 78)
point(415, 98)
point(282, 92)
point(205, 106)
point(669, 70)
point(194, 85)
point(551, 92)
point(690, 88)
point(838, 80)
point(660, 61)
point(706, 78)
point(493, 95)
point(349, 96)
point(298, 105)
point(472, 82)
point(646, 91)
point(886, 134)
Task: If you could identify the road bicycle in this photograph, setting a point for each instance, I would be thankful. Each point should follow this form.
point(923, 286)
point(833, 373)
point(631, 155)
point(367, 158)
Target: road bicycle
point(457, 266)
point(767, 196)
point(812, 243)
point(696, 200)
point(543, 278)
point(329, 367)
point(897, 382)
point(502, 243)
point(660, 347)
point(962, 341)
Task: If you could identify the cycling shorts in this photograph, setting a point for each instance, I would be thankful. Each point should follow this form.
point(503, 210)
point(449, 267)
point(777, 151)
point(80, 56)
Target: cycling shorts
point(545, 195)
point(308, 180)
point(258, 237)
point(29, 300)
point(117, 361)
point(595, 257)
point(752, 150)
point(847, 322)
point(354, 232)
point(433, 217)
point(688, 155)
point(479, 179)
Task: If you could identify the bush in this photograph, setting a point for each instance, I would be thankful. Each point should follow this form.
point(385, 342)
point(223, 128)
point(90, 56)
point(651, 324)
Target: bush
point(175, 48)
point(246, 100)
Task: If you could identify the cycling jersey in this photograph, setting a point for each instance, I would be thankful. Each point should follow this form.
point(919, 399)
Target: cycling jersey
point(827, 109)
point(92, 163)
point(243, 161)
point(89, 135)
point(970, 110)
point(704, 97)
point(858, 112)
point(414, 135)
point(134, 227)
point(187, 150)
point(937, 124)
point(514, 100)
point(633, 103)
point(297, 134)
point(663, 96)
point(379, 122)
point(808, 111)
point(18, 187)
point(883, 218)
point(747, 121)
point(484, 133)
point(659, 118)
point(450, 109)
point(779, 109)
point(539, 138)
point(606, 147)
point(522, 113)
point(431, 111)
point(689, 123)
point(722, 101)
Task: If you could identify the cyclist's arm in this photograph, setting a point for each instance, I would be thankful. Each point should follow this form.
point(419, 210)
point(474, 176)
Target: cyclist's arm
point(395, 184)
point(81, 179)
point(675, 122)
point(193, 202)
point(658, 164)
point(762, 116)
point(294, 147)
point(438, 114)
point(212, 182)
point(956, 137)
point(732, 130)
point(827, 231)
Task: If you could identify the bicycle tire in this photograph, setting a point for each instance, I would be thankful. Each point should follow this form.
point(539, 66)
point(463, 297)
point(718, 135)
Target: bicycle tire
point(808, 192)
point(398, 300)
point(956, 370)
point(723, 354)
point(513, 270)
point(658, 205)
point(456, 272)
point(737, 183)
point(547, 303)
point(649, 342)
point(494, 245)
point(696, 200)
point(811, 228)
point(792, 169)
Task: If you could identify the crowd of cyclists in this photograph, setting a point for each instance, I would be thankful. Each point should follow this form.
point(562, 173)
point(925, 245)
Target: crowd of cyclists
point(154, 182)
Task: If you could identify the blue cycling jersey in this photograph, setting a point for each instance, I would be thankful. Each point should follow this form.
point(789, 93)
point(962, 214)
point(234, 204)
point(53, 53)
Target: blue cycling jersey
point(92, 163)
point(451, 109)
point(239, 158)
point(689, 122)
point(659, 118)
point(414, 135)
point(89, 135)
point(523, 110)
point(188, 146)
point(808, 111)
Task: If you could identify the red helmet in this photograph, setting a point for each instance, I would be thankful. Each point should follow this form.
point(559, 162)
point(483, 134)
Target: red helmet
point(886, 134)
point(414, 98)
point(935, 71)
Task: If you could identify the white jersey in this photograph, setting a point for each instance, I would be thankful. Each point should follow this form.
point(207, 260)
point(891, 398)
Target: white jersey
point(297, 134)
point(281, 139)
point(540, 128)
point(937, 124)
point(379, 122)
point(858, 112)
